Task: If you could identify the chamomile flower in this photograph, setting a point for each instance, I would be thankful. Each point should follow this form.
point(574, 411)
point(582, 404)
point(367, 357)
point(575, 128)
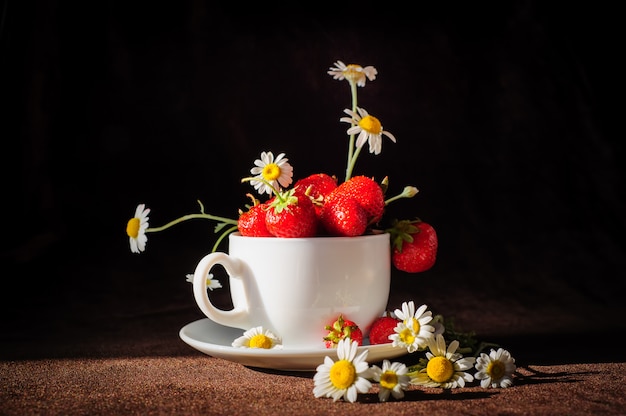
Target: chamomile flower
point(392, 380)
point(353, 73)
point(136, 229)
point(445, 367)
point(346, 377)
point(258, 338)
point(414, 331)
point(275, 172)
point(368, 129)
point(496, 369)
point(211, 283)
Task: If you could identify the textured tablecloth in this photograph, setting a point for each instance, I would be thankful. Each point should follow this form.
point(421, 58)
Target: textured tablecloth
point(116, 350)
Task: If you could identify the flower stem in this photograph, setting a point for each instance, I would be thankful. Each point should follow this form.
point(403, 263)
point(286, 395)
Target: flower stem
point(194, 216)
point(353, 160)
point(350, 162)
point(276, 193)
point(407, 192)
point(352, 152)
point(224, 234)
point(191, 217)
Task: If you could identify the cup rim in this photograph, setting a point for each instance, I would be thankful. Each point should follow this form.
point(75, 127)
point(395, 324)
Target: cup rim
point(238, 235)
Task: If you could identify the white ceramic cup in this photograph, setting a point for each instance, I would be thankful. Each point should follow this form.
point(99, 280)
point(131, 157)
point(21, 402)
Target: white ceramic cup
point(295, 286)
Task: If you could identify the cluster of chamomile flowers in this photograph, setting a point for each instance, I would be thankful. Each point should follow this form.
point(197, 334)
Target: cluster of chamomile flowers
point(443, 366)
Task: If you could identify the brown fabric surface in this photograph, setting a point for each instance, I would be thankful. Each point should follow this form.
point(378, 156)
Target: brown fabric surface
point(123, 355)
point(196, 385)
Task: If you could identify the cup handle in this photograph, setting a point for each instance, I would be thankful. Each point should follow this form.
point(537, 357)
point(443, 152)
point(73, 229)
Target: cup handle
point(238, 317)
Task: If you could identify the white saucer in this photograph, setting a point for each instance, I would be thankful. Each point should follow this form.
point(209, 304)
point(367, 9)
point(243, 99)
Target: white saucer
point(215, 340)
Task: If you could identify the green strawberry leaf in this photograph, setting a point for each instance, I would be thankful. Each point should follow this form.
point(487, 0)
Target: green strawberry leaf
point(283, 200)
point(402, 231)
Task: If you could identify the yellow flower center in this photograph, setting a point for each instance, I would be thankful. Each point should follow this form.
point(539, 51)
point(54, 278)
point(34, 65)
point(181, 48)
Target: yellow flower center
point(407, 336)
point(260, 341)
point(271, 172)
point(388, 380)
point(371, 125)
point(414, 324)
point(342, 374)
point(496, 369)
point(353, 72)
point(439, 369)
point(132, 228)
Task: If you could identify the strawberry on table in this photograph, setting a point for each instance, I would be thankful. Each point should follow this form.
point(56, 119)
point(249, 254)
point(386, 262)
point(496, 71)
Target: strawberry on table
point(414, 246)
point(382, 327)
point(340, 329)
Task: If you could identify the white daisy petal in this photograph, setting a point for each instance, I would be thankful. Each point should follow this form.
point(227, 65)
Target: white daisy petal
point(354, 130)
point(453, 347)
point(362, 138)
point(389, 135)
point(362, 385)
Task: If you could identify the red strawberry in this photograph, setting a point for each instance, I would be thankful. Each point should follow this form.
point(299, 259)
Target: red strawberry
point(317, 187)
point(381, 329)
point(251, 223)
point(340, 329)
point(414, 246)
point(369, 194)
point(291, 214)
point(342, 215)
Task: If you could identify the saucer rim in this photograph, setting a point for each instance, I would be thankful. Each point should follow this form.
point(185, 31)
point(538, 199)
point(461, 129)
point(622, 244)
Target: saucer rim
point(285, 358)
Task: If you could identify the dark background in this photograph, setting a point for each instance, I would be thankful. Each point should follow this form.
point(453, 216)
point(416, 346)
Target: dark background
point(507, 117)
